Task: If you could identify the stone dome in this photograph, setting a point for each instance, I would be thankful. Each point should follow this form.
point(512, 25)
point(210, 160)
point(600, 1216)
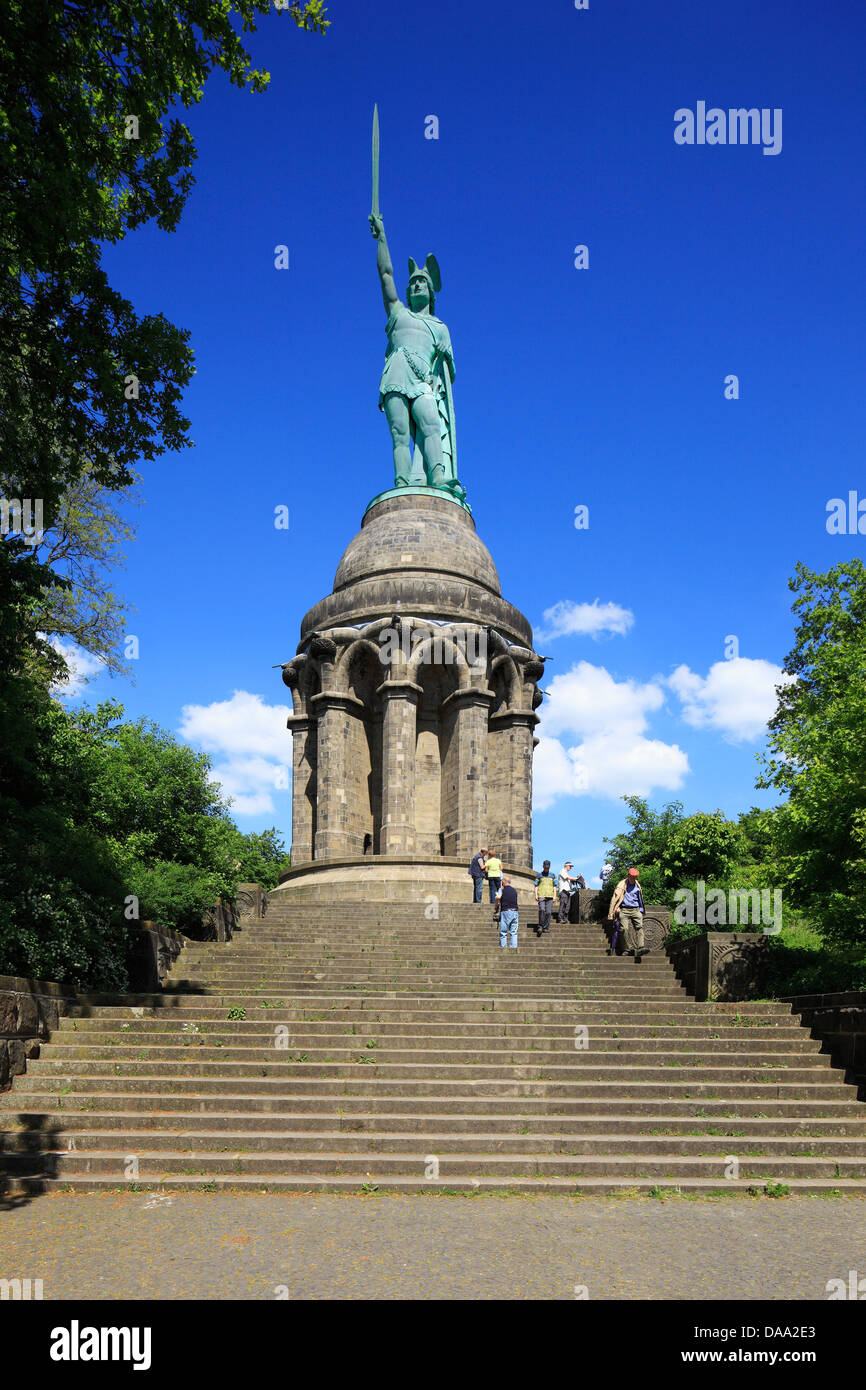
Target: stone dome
point(417, 554)
point(417, 533)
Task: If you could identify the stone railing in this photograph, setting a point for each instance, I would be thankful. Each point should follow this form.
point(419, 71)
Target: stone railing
point(151, 952)
point(252, 904)
point(839, 1020)
point(29, 1009)
point(721, 965)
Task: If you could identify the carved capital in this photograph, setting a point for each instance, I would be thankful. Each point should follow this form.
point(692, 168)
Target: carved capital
point(322, 648)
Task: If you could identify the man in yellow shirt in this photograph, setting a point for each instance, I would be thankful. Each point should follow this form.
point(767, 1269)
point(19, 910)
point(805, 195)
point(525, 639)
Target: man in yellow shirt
point(494, 874)
point(544, 891)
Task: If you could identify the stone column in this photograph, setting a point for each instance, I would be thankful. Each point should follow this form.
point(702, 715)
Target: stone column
point(515, 728)
point(399, 702)
point(331, 708)
point(303, 786)
point(470, 707)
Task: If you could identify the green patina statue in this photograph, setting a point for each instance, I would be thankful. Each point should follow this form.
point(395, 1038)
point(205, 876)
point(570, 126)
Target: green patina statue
point(415, 390)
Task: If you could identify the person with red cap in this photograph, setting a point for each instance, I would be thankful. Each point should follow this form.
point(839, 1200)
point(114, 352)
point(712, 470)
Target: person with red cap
point(627, 905)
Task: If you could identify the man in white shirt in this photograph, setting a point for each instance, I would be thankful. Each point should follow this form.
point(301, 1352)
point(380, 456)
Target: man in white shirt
point(565, 888)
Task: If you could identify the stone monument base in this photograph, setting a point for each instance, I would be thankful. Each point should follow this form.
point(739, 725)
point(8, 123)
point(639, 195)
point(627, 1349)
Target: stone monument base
point(391, 878)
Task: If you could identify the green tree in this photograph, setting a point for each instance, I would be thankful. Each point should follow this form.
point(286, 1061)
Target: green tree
point(83, 545)
point(90, 148)
point(815, 752)
point(673, 850)
point(258, 857)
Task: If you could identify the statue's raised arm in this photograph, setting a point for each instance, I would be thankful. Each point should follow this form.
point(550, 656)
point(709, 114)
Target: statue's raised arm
point(383, 263)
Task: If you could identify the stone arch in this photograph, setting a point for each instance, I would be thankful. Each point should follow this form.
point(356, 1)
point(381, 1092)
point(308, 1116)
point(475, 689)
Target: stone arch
point(344, 679)
point(424, 655)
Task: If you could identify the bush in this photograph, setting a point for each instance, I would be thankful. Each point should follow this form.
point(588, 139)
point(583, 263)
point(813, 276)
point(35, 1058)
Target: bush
point(173, 895)
point(53, 930)
point(802, 962)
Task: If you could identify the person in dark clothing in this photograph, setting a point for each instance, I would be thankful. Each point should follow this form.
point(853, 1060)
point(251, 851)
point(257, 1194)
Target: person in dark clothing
point(508, 913)
point(478, 869)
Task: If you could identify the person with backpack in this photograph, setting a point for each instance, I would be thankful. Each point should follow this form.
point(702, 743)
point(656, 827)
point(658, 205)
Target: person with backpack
point(478, 870)
point(494, 874)
point(627, 908)
point(545, 888)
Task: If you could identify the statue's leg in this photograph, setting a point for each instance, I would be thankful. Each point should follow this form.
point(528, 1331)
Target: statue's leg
point(400, 425)
point(426, 416)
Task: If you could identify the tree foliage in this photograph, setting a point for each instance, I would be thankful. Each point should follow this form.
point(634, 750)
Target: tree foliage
point(107, 820)
point(815, 753)
point(83, 545)
point(673, 850)
point(91, 148)
point(259, 858)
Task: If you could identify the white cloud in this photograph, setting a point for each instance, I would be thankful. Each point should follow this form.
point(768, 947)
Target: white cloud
point(81, 667)
point(566, 618)
point(611, 755)
point(252, 745)
point(737, 697)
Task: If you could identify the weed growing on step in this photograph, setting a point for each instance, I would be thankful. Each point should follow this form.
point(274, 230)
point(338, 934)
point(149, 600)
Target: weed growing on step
point(236, 1012)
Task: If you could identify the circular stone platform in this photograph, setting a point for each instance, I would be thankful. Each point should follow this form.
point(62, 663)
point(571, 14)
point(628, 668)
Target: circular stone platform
point(381, 878)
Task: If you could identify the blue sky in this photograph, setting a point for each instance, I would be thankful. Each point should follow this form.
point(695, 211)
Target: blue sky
point(602, 387)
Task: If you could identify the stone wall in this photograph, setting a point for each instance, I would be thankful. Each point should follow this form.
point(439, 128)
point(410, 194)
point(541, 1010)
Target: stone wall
point(839, 1020)
point(29, 1010)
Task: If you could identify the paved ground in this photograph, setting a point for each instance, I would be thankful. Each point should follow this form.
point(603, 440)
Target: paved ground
point(210, 1245)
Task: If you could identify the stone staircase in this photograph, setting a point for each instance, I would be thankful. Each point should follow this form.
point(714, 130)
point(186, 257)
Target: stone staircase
point(365, 1046)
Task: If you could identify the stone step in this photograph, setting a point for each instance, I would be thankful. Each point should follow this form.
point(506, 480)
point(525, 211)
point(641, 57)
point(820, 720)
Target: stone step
point(842, 1108)
point(771, 1037)
point(196, 1007)
point(240, 1142)
point(375, 985)
point(202, 1051)
point(524, 1037)
point(320, 1079)
point(373, 1164)
point(576, 1066)
point(514, 1184)
point(34, 1126)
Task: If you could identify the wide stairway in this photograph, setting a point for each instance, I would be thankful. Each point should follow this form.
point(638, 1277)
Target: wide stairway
point(360, 1047)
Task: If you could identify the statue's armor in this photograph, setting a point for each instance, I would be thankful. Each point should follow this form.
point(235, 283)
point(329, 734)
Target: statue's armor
point(409, 365)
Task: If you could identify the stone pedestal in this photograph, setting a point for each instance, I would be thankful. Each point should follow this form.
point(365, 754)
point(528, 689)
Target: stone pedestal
point(414, 692)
